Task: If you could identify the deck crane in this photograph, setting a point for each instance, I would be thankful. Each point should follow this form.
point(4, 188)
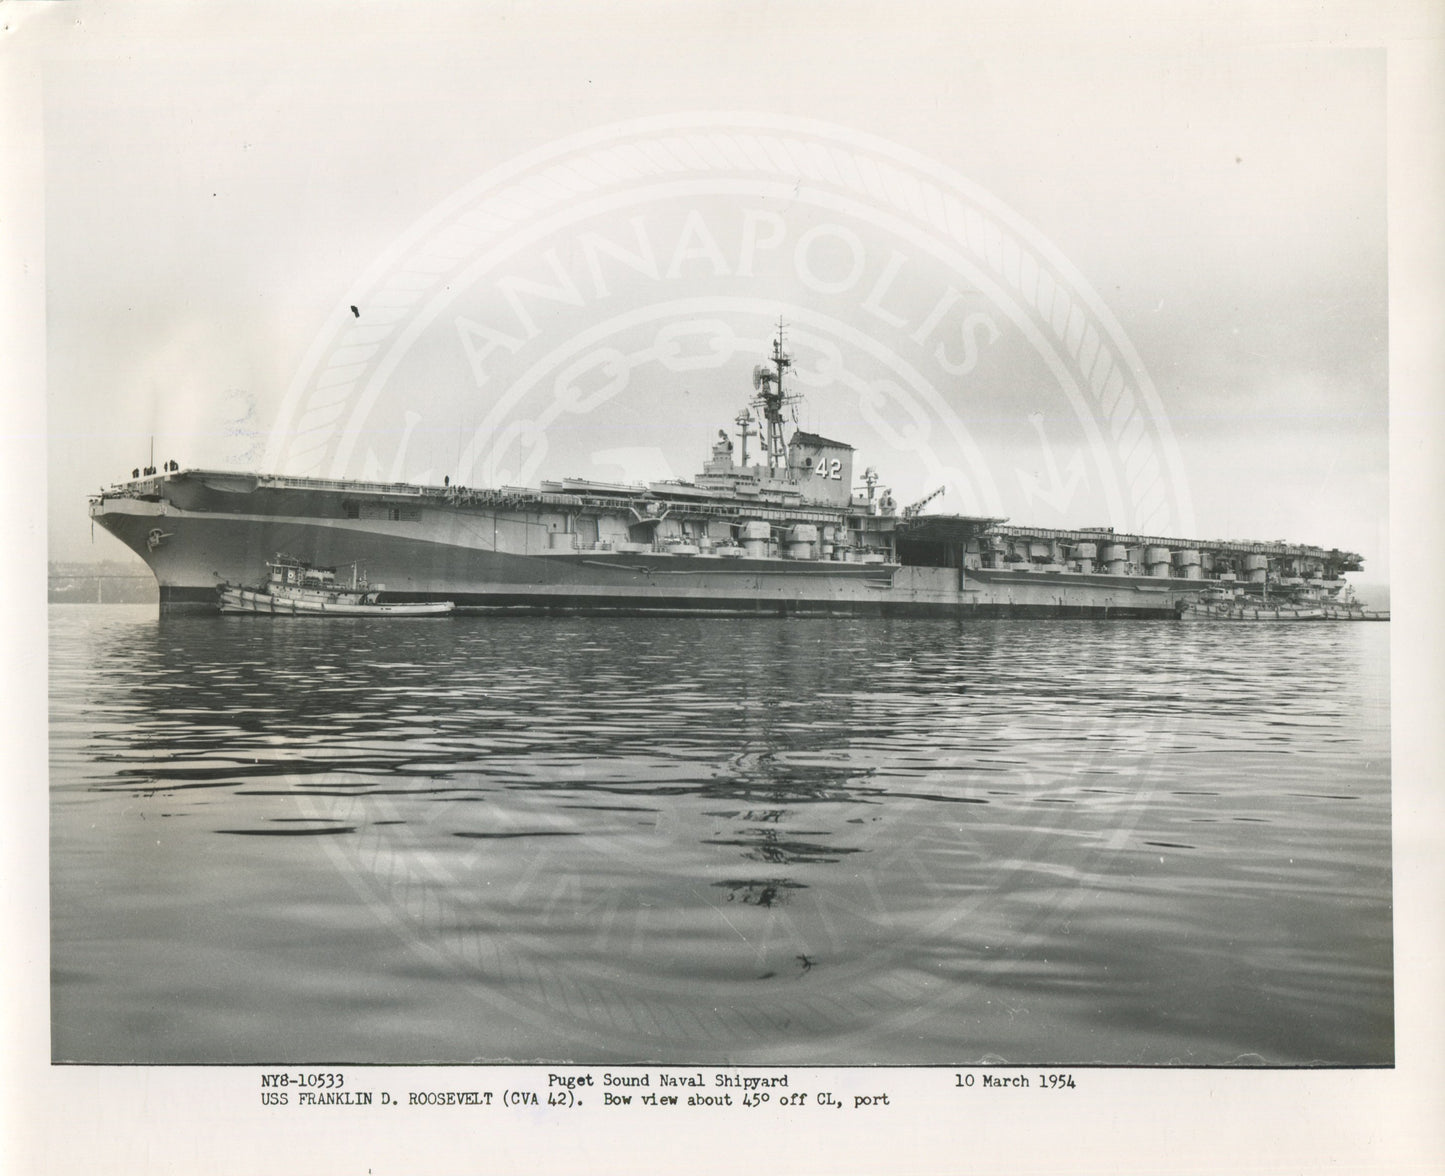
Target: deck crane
point(910, 511)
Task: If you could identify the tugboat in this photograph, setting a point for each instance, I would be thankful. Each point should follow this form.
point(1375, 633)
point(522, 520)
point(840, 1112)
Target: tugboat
point(294, 588)
point(1218, 604)
point(1225, 604)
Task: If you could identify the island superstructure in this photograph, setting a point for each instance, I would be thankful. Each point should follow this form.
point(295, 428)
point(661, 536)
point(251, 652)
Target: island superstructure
point(784, 531)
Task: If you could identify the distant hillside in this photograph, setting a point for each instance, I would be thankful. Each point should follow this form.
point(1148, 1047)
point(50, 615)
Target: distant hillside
point(106, 582)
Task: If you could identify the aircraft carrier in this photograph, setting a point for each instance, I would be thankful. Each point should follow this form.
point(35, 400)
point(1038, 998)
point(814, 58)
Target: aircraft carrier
point(786, 531)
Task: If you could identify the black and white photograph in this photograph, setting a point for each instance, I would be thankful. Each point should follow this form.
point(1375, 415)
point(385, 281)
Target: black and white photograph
point(775, 557)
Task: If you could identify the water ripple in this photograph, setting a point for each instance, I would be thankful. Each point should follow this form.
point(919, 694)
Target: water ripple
point(694, 840)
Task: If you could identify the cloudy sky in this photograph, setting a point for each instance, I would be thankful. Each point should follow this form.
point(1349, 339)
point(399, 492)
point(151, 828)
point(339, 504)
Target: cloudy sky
point(215, 184)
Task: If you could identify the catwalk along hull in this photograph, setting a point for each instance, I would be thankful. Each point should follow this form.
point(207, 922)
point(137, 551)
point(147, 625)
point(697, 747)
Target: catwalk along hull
point(198, 531)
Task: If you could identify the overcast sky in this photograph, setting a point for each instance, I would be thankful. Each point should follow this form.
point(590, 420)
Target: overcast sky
point(216, 181)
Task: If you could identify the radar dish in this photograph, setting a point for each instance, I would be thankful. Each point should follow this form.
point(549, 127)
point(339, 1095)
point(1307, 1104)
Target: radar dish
point(760, 377)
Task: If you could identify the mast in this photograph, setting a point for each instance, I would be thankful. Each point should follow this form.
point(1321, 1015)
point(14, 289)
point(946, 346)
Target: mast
point(744, 422)
point(772, 396)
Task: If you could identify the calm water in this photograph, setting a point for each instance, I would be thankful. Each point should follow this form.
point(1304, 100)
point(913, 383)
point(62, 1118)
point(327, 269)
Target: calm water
point(481, 839)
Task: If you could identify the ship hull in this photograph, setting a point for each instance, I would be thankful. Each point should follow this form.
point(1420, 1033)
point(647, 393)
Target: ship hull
point(438, 553)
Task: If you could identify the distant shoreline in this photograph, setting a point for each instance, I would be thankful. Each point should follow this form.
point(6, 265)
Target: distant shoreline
point(101, 582)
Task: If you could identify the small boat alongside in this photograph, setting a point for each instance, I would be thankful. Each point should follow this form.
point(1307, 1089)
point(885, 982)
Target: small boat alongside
point(1234, 611)
point(1218, 604)
point(1356, 613)
point(295, 588)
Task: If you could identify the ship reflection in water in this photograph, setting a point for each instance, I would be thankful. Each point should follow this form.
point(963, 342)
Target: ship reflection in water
point(718, 840)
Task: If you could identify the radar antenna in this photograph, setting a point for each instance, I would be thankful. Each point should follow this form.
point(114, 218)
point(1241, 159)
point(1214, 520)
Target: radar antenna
point(773, 398)
point(870, 481)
